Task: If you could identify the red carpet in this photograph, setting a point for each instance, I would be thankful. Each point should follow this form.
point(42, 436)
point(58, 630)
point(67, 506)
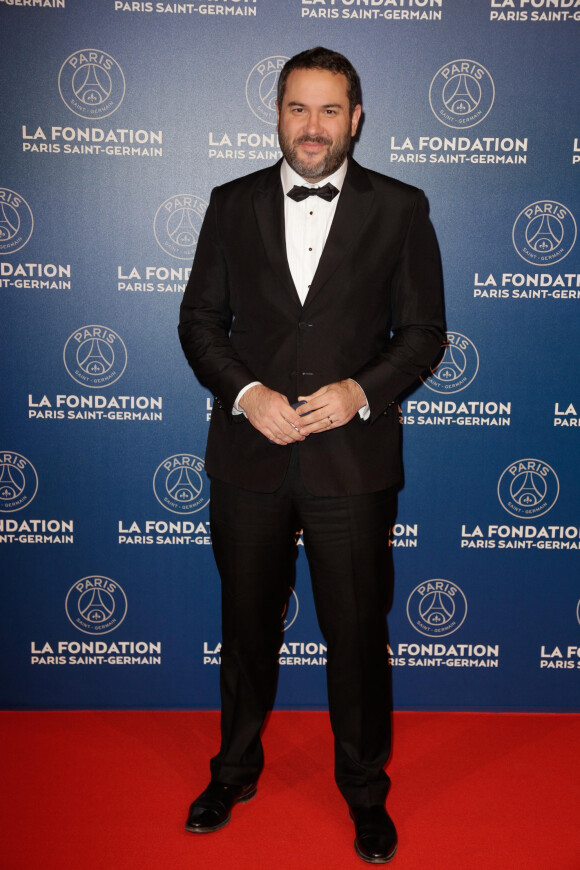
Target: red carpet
point(110, 790)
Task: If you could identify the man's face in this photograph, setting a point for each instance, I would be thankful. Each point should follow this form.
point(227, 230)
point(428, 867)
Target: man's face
point(314, 122)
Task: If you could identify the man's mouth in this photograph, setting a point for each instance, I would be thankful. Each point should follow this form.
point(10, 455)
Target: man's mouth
point(313, 144)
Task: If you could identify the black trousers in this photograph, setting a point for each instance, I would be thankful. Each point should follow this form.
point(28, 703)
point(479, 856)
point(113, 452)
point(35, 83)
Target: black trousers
point(346, 543)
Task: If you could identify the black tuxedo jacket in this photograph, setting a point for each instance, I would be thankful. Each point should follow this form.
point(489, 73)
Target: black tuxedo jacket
point(374, 313)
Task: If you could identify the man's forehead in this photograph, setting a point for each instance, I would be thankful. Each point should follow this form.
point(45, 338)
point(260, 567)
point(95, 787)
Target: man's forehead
point(316, 84)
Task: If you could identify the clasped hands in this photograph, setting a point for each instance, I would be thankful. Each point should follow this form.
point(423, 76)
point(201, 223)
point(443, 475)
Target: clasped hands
point(329, 407)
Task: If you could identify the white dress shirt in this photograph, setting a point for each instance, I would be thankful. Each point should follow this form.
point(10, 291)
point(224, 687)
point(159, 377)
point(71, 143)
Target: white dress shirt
point(307, 224)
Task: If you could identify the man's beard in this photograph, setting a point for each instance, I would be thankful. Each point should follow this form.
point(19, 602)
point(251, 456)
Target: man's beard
point(329, 161)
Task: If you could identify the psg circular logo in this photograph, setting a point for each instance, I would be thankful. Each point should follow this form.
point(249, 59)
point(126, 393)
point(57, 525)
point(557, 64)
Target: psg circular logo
point(180, 484)
point(461, 94)
point(177, 224)
point(457, 368)
point(528, 488)
point(290, 611)
point(96, 605)
point(16, 221)
point(18, 481)
point(95, 356)
point(544, 232)
point(436, 608)
point(262, 88)
point(91, 83)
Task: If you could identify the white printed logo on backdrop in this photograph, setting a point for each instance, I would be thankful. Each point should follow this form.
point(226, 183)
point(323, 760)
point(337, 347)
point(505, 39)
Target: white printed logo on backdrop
point(95, 356)
point(177, 224)
point(16, 221)
point(18, 482)
point(544, 232)
point(262, 87)
point(180, 485)
point(528, 488)
point(96, 604)
point(436, 608)
point(91, 84)
point(461, 94)
point(290, 612)
point(457, 368)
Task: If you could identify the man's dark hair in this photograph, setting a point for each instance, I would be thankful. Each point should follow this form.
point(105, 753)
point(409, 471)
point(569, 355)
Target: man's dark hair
point(325, 59)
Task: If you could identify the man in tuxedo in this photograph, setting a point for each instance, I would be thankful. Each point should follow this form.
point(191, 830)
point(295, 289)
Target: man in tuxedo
point(315, 281)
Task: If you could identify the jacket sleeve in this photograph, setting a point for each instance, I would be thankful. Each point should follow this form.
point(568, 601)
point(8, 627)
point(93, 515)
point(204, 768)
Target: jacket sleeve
point(206, 317)
point(417, 316)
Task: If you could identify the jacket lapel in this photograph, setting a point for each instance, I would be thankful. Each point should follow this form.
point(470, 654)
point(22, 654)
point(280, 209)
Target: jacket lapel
point(356, 198)
point(268, 201)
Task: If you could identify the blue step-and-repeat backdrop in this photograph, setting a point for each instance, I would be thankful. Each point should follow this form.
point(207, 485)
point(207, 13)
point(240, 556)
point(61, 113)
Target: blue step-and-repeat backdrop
point(118, 118)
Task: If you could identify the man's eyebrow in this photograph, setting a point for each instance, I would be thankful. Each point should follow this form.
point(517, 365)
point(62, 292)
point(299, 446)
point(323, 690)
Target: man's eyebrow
point(325, 106)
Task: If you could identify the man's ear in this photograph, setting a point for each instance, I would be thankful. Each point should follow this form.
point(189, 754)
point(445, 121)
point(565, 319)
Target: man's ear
point(356, 113)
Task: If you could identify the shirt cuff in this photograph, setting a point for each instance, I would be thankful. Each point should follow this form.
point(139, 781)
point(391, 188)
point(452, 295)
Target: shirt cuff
point(364, 412)
point(236, 409)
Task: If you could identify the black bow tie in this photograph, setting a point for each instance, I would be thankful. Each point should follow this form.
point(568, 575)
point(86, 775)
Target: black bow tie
point(298, 193)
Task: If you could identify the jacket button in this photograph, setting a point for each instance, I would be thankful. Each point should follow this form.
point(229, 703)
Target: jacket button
point(303, 325)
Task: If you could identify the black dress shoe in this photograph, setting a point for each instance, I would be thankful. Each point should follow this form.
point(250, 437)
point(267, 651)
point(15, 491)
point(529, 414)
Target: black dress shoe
point(212, 809)
point(376, 837)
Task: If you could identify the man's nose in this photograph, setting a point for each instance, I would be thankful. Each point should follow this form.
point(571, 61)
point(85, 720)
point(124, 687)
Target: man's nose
point(314, 124)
